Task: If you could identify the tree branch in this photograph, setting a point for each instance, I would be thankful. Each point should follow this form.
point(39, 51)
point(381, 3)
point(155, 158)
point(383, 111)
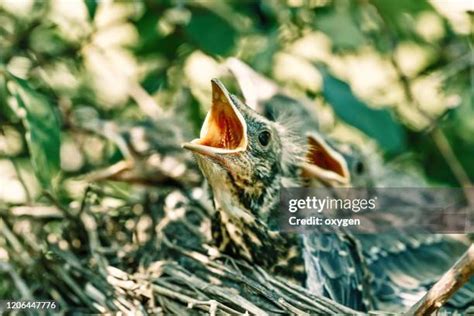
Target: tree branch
point(449, 283)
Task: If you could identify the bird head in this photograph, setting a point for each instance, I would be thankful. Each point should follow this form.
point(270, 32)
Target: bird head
point(243, 155)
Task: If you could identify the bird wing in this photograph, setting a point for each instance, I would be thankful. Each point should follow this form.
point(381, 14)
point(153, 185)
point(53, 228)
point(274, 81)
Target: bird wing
point(405, 266)
point(335, 269)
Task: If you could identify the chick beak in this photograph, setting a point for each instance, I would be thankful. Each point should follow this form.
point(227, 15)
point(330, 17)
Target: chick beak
point(324, 163)
point(224, 130)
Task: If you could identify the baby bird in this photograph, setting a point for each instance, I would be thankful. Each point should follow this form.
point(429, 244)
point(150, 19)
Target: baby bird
point(245, 158)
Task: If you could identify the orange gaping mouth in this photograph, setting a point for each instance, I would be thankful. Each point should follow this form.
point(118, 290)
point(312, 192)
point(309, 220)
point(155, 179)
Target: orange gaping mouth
point(324, 163)
point(224, 129)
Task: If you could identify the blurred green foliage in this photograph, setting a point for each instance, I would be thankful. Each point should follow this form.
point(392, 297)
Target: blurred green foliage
point(393, 70)
point(42, 131)
point(371, 121)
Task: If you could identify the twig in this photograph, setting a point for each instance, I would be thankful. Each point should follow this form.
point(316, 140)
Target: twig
point(109, 172)
point(322, 304)
point(204, 305)
point(20, 284)
point(443, 146)
point(36, 211)
point(221, 293)
point(451, 281)
point(76, 288)
point(292, 308)
point(60, 207)
point(16, 245)
point(144, 100)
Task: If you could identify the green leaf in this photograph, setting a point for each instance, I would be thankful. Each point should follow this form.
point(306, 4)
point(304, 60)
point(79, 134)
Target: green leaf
point(91, 7)
point(43, 132)
point(212, 33)
point(376, 123)
point(6, 114)
point(340, 27)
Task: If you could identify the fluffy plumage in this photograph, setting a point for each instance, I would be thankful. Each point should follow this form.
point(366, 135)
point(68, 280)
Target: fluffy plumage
point(245, 177)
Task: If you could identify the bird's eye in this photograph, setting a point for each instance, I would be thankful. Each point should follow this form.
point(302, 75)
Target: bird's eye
point(359, 167)
point(264, 138)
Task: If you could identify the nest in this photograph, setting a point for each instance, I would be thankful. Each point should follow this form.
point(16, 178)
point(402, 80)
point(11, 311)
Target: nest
point(146, 254)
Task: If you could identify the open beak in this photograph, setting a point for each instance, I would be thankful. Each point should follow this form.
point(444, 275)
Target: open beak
point(324, 163)
point(224, 130)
